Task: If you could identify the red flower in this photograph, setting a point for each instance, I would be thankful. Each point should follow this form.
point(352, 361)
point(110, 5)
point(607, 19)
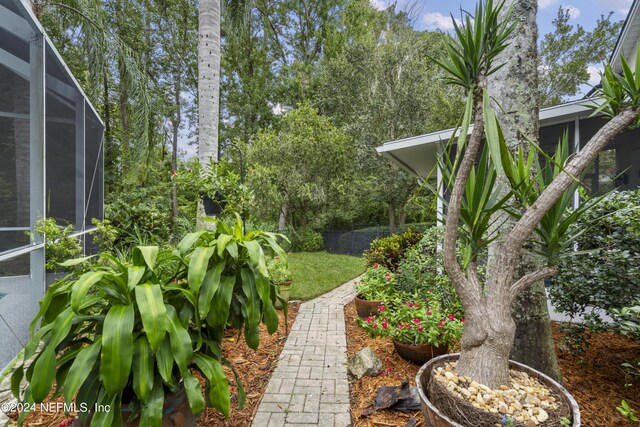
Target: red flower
point(370, 319)
point(277, 258)
point(384, 325)
point(388, 278)
point(173, 172)
point(416, 320)
point(375, 266)
point(400, 326)
point(462, 320)
point(380, 308)
point(451, 317)
point(375, 325)
point(441, 324)
point(420, 328)
point(429, 313)
point(389, 369)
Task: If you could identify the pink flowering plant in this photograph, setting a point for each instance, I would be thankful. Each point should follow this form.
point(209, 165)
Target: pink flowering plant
point(414, 323)
point(376, 284)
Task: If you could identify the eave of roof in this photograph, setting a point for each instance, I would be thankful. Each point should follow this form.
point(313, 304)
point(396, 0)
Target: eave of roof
point(628, 37)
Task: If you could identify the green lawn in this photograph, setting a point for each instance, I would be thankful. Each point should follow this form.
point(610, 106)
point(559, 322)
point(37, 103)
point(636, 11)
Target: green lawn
point(315, 273)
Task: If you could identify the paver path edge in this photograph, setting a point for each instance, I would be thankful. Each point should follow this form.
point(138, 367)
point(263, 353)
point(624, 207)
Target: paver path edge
point(309, 386)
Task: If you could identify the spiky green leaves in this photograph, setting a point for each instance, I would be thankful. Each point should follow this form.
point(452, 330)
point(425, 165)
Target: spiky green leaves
point(471, 54)
point(619, 91)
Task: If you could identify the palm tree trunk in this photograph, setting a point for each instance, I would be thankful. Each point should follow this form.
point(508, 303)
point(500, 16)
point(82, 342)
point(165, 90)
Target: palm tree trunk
point(208, 89)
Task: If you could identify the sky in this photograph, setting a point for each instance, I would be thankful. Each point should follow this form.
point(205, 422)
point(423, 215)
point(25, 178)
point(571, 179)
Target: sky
point(435, 14)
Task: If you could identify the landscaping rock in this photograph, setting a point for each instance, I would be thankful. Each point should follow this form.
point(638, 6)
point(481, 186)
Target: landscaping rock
point(525, 400)
point(364, 362)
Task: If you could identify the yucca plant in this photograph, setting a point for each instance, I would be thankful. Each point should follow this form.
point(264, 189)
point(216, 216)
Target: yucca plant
point(130, 332)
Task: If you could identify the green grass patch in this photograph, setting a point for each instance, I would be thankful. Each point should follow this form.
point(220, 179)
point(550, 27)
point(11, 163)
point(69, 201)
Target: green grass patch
point(316, 273)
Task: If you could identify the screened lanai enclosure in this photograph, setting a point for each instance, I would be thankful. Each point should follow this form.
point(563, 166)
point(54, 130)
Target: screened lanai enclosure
point(52, 164)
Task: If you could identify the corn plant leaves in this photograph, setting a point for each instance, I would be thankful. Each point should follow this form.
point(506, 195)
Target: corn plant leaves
point(164, 361)
point(198, 265)
point(117, 348)
point(143, 377)
point(194, 395)
point(152, 312)
point(210, 286)
point(79, 372)
point(145, 255)
point(219, 312)
point(81, 287)
point(181, 346)
point(151, 413)
point(219, 394)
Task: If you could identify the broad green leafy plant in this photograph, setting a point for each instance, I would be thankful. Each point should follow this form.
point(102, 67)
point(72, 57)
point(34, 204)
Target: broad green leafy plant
point(376, 284)
point(129, 332)
point(279, 271)
point(59, 245)
point(390, 251)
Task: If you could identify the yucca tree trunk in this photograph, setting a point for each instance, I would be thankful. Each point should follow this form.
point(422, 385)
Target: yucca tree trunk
point(512, 87)
point(208, 88)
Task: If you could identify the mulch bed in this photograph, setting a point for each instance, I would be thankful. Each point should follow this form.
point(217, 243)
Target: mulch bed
point(254, 368)
point(594, 378)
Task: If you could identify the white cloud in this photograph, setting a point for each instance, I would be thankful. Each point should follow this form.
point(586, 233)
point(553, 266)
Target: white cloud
point(594, 75)
point(378, 4)
point(543, 4)
point(574, 12)
point(438, 21)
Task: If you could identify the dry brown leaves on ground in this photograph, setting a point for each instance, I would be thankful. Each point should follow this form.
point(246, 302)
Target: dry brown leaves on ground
point(254, 368)
point(595, 378)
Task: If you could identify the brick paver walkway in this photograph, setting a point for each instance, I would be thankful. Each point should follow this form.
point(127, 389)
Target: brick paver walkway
point(309, 386)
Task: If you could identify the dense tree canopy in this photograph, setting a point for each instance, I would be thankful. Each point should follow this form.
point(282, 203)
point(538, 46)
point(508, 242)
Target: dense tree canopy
point(363, 75)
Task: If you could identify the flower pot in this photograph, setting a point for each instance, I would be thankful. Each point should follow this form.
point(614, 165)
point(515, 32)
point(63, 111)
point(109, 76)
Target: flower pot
point(366, 308)
point(419, 353)
point(435, 418)
point(176, 412)
point(284, 290)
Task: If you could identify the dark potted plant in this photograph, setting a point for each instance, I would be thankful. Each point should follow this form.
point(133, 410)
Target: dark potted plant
point(280, 276)
point(375, 286)
point(127, 334)
point(419, 331)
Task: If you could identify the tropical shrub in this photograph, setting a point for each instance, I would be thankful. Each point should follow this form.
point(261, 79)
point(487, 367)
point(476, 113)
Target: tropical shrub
point(311, 241)
point(376, 284)
point(606, 270)
point(627, 320)
point(127, 332)
point(59, 245)
point(422, 271)
point(389, 251)
point(278, 269)
point(414, 323)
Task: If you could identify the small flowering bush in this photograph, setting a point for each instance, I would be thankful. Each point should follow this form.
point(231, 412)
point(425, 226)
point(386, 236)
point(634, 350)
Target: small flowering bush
point(413, 323)
point(377, 283)
point(278, 269)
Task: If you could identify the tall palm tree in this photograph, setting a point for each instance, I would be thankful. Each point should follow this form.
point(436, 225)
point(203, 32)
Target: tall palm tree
point(209, 48)
point(208, 80)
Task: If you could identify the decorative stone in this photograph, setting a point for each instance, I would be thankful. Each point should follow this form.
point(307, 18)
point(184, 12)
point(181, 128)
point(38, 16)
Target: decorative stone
point(542, 415)
point(364, 362)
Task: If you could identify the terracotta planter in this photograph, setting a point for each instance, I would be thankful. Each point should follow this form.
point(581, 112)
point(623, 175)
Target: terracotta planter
point(284, 290)
point(366, 308)
point(176, 412)
point(419, 353)
point(435, 418)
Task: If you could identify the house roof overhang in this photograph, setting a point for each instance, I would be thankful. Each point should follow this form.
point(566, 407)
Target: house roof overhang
point(418, 155)
point(628, 38)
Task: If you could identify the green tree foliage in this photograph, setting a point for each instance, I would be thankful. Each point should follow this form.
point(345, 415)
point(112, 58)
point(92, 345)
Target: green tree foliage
point(382, 87)
point(567, 52)
point(300, 170)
